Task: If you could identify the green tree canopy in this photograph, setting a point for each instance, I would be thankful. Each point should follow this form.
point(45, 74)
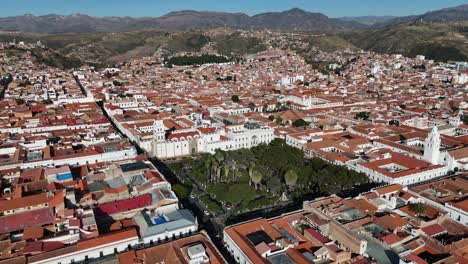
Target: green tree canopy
point(362, 115)
point(418, 208)
point(290, 177)
point(300, 123)
point(181, 191)
point(197, 60)
point(256, 176)
point(235, 98)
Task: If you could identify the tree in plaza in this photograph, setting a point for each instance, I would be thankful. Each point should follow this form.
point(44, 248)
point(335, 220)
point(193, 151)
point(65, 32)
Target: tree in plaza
point(215, 163)
point(290, 177)
point(226, 171)
point(215, 170)
point(255, 176)
point(274, 185)
point(219, 155)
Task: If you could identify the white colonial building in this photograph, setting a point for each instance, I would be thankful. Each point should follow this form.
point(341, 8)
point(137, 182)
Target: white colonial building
point(306, 102)
point(249, 135)
point(208, 140)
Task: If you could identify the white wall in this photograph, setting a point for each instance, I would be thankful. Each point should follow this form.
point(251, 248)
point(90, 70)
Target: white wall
point(106, 249)
point(157, 238)
point(410, 179)
point(234, 250)
point(83, 160)
point(457, 214)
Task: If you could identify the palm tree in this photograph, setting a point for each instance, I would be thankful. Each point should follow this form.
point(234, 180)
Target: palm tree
point(215, 170)
point(207, 163)
point(226, 170)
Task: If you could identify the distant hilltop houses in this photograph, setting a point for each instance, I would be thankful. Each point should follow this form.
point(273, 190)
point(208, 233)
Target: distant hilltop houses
point(79, 155)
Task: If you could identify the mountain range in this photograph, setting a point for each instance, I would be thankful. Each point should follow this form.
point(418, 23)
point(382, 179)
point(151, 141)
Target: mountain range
point(293, 19)
point(368, 20)
point(446, 15)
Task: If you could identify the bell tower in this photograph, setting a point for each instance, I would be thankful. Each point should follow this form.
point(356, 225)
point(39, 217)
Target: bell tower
point(432, 146)
point(159, 131)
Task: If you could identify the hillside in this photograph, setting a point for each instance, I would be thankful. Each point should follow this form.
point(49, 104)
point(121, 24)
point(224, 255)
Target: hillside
point(440, 42)
point(298, 19)
point(109, 48)
point(446, 15)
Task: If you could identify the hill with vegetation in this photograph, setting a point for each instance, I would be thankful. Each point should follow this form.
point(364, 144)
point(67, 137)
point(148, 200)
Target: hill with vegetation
point(446, 15)
point(109, 48)
point(441, 42)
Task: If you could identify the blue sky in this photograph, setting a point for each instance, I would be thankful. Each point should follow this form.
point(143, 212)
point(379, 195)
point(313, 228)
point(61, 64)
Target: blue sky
point(139, 8)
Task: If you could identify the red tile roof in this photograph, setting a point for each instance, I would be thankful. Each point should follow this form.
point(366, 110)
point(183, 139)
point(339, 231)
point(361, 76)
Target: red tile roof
point(124, 205)
point(19, 221)
point(106, 239)
point(184, 135)
point(463, 205)
point(23, 202)
point(413, 165)
point(433, 230)
point(317, 235)
point(391, 239)
point(40, 246)
point(388, 189)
